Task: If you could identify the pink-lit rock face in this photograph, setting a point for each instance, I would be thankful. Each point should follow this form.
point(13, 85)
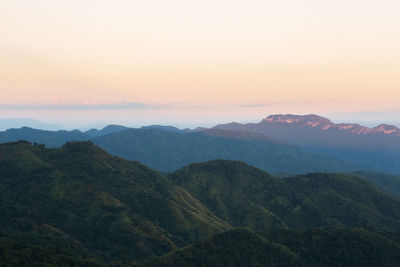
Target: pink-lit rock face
point(315, 121)
point(385, 128)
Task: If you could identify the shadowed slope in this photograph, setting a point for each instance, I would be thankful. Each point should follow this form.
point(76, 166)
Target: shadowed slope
point(246, 196)
point(312, 247)
point(117, 209)
point(238, 247)
point(338, 247)
point(169, 151)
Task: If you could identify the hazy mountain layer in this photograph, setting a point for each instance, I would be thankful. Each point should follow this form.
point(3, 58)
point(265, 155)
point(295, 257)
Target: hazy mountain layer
point(169, 151)
point(375, 149)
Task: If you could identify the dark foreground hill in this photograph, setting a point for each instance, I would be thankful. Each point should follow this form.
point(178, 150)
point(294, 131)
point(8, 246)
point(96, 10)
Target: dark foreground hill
point(95, 204)
point(14, 254)
point(238, 247)
point(246, 196)
point(338, 247)
point(48, 138)
point(389, 184)
point(80, 206)
point(314, 247)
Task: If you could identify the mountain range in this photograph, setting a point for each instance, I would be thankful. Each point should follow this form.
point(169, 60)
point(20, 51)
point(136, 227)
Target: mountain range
point(285, 144)
point(167, 148)
point(374, 149)
point(168, 151)
point(79, 205)
point(82, 197)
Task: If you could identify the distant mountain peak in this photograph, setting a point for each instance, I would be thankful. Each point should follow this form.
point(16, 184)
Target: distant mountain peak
point(322, 123)
point(310, 119)
point(385, 128)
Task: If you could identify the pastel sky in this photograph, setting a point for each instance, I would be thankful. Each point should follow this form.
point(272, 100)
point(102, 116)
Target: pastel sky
point(184, 62)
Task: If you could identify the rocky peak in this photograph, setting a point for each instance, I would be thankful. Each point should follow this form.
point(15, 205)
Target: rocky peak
point(311, 119)
point(322, 123)
point(385, 128)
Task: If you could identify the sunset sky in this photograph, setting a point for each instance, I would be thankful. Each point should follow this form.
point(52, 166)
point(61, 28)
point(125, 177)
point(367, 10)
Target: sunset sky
point(85, 62)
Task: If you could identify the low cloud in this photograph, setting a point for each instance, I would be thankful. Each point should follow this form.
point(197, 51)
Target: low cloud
point(273, 104)
point(256, 105)
point(101, 106)
point(115, 106)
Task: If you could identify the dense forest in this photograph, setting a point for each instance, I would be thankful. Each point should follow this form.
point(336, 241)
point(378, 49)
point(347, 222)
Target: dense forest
point(80, 206)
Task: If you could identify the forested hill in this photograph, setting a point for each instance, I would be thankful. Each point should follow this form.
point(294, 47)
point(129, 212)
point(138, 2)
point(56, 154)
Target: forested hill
point(313, 247)
point(246, 196)
point(92, 205)
point(80, 206)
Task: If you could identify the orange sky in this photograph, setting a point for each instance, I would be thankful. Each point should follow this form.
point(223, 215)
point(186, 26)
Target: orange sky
point(197, 60)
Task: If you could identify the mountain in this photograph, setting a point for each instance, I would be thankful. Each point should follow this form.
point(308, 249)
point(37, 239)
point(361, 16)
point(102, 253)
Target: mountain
point(389, 184)
point(49, 138)
point(338, 247)
point(374, 149)
point(106, 130)
point(239, 135)
point(80, 206)
point(169, 151)
point(13, 254)
point(245, 196)
point(312, 247)
point(167, 148)
point(18, 123)
point(319, 122)
point(164, 128)
point(94, 205)
point(55, 138)
point(238, 247)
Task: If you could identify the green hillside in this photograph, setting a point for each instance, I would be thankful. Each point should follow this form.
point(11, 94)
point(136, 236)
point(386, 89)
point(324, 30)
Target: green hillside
point(313, 247)
point(116, 209)
point(246, 196)
point(49, 254)
point(80, 206)
point(238, 247)
point(338, 247)
point(388, 183)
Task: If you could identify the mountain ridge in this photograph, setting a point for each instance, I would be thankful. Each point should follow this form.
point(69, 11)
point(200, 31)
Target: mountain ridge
point(323, 123)
point(85, 206)
point(374, 149)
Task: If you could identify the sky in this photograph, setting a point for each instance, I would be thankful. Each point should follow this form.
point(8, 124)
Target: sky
point(81, 63)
